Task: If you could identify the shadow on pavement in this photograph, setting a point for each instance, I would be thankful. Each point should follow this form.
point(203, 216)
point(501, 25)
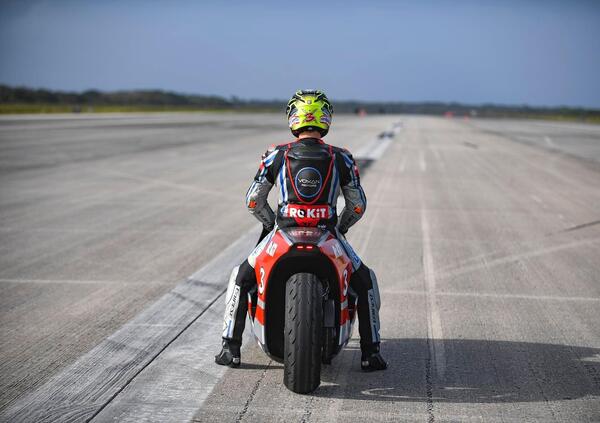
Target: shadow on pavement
point(474, 371)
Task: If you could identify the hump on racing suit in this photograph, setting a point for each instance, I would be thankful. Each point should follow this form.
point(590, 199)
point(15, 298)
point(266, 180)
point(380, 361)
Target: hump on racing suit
point(309, 174)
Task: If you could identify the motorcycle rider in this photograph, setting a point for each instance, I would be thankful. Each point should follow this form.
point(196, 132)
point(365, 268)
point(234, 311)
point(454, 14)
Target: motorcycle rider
point(309, 115)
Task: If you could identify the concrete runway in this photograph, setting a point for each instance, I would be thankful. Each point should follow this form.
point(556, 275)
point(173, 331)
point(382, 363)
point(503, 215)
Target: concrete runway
point(487, 249)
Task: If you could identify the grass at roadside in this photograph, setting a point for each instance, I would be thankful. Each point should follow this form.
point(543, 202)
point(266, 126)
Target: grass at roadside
point(6, 109)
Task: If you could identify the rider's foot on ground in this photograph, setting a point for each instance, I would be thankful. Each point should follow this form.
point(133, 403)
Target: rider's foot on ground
point(373, 362)
point(229, 355)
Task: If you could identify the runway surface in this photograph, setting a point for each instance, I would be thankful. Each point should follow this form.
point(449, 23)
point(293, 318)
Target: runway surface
point(485, 239)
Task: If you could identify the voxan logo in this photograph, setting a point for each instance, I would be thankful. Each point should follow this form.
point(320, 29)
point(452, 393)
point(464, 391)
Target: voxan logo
point(310, 182)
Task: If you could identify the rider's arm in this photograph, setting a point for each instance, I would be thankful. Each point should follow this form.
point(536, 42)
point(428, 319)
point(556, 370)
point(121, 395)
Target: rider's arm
point(356, 201)
point(256, 197)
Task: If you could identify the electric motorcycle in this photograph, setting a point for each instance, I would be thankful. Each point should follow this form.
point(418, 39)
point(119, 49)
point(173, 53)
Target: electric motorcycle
point(302, 309)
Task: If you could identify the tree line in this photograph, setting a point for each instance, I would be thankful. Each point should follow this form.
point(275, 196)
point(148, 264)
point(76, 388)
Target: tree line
point(89, 99)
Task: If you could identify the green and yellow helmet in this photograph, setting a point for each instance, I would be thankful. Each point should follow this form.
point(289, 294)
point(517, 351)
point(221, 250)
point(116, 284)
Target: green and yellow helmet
point(309, 110)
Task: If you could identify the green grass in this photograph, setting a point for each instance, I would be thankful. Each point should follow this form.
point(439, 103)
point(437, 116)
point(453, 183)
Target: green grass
point(34, 108)
point(62, 108)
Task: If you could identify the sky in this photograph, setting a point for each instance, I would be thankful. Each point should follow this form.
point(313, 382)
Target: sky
point(541, 53)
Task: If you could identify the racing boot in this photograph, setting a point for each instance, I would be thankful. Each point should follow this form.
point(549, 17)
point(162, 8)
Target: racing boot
point(230, 354)
point(372, 360)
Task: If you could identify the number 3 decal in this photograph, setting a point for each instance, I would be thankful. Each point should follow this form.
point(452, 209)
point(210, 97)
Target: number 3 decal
point(261, 283)
point(345, 281)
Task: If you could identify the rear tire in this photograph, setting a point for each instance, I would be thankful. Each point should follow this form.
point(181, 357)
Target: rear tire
point(328, 345)
point(302, 333)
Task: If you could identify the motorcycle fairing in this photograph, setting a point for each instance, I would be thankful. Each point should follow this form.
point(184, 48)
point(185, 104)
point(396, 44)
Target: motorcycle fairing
point(274, 246)
point(284, 243)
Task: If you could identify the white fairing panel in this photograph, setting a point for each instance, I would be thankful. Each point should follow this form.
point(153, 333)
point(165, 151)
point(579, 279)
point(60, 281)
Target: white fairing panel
point(259, 333)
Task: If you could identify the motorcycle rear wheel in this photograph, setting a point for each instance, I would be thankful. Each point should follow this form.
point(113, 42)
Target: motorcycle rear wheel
point(302, 333)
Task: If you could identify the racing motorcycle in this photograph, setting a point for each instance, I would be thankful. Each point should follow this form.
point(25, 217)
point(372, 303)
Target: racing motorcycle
point(302, 309)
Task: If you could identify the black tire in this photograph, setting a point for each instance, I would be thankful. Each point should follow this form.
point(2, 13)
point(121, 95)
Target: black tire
point(328, 345)
point(302, 333)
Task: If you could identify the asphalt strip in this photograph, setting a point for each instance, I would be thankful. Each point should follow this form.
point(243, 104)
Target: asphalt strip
point(159, 366)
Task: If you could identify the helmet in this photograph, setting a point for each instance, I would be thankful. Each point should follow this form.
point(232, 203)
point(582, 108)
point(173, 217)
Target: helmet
point(309, 110)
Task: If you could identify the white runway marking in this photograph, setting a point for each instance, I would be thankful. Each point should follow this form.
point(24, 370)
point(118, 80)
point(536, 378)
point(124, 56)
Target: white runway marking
point(380, 148)
point(422, 163)
point(515, 257)
point(496, 295)
point(167, 184)
point(549, 141)
point(402, 165)
point(374, 149)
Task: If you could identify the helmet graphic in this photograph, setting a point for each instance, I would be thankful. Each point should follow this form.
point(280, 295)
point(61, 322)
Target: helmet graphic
point(309, 110)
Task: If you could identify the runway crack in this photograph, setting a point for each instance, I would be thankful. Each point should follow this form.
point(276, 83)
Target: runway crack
point(253, 393)
point(429, 384)
point(584, 225)
point(308, 411)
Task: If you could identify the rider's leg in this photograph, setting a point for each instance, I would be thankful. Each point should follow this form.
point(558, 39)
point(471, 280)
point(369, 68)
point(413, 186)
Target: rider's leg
point(364, 283)
point(242, 280)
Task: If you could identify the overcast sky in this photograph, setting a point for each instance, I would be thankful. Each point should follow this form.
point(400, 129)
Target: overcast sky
point(511, 52)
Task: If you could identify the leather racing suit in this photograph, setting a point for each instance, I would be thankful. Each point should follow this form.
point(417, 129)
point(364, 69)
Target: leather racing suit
point(309, 175)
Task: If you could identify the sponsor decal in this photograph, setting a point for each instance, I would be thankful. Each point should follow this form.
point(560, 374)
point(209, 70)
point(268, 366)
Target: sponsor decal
point(374, 316)
point(233, 301)
point(308, 182)
point(230, 310)
point(304, 232)
point(271, 249)
point(307, 215)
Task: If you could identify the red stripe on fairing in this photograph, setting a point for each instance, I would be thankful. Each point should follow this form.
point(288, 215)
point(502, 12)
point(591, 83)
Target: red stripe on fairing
point(344, 316)
point(260, 315)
